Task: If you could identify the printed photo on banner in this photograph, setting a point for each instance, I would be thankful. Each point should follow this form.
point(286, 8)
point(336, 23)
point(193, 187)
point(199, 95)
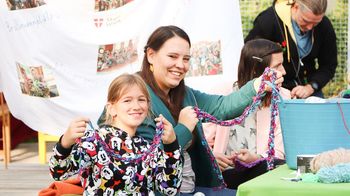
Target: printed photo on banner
point(205, 59)
point(104, 5)
point(36, 81)
point(116, 56)
point(24, 4)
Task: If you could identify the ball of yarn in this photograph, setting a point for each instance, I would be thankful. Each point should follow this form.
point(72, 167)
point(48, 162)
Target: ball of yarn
point(310, 177)
point(335, 174)
point(329, 159)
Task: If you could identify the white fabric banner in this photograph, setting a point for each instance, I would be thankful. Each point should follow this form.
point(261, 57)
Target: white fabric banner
point(59, 56)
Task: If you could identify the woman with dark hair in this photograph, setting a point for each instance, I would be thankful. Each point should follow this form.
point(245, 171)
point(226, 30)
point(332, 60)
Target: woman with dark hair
point(165, 64)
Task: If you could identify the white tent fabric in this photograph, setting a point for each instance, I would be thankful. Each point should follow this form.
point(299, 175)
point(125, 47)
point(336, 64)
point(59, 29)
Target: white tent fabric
point(59, 56)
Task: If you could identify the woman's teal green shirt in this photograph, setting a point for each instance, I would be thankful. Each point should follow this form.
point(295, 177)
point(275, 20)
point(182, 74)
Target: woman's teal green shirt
point(222, 107)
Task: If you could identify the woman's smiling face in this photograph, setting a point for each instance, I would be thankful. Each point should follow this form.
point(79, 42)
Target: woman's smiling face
point(170, 63)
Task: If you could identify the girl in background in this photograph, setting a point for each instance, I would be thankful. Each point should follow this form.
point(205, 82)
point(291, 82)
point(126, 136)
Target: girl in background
point(248, 142)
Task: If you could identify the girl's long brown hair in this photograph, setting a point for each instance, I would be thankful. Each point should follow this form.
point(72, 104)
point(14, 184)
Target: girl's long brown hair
point(255, 57)
point(120, 85)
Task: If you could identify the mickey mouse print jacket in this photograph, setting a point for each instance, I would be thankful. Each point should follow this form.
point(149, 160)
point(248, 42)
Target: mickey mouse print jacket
point(103, 174)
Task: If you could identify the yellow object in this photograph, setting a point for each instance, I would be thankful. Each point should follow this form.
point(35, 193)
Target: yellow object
point(42, 139)
point(283, 10)
point(6, 131)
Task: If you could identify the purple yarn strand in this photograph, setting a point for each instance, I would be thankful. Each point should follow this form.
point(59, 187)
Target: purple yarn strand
point(241, 166)
point(205, 117)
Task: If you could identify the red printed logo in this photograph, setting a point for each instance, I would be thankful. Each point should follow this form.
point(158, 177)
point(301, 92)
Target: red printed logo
point(98, 22)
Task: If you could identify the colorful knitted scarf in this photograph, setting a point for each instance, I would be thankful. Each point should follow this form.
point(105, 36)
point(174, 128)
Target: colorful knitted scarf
point(146, 156)
point(138, 157)
point(205, 117)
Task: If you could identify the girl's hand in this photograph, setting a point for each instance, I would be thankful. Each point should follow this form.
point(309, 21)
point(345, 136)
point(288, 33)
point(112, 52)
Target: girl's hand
point(169, 135)
point(245, 156)
point(188, 117)
point(278, 82)
point(224, 161)
point(75, 130)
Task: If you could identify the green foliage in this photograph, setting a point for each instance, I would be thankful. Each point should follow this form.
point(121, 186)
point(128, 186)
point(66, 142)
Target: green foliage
point(339, 17)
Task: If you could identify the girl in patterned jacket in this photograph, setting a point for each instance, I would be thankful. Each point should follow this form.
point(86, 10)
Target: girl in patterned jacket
point(113, 160)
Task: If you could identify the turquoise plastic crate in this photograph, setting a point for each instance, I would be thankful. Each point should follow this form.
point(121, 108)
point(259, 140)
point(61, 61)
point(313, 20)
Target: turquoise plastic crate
point(312, 128)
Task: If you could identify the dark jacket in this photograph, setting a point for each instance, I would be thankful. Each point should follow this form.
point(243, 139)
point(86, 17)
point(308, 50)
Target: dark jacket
point(275, 24)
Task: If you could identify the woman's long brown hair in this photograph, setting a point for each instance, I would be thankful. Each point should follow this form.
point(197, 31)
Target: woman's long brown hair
point(155, 42)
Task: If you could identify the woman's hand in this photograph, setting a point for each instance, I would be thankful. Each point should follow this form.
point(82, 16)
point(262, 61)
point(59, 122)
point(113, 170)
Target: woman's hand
point(278, 82)
point(245, 156)
point(188, 117)
point(169, 135)
point(75, 130)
